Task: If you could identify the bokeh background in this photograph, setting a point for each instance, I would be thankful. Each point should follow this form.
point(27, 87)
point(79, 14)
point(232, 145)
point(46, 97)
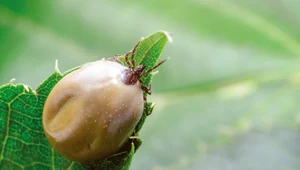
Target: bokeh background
point(228, 98)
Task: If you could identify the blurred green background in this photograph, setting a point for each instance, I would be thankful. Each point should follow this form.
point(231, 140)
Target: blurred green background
point(228, 98)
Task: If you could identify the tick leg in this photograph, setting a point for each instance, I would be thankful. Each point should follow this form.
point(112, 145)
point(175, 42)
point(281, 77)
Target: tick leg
point(146, 105)
point(148, 91)
point(127, 60)
point(146, 72)
point(133, 53)
point(145, 89)
point(116, 58)
point(148, 112)
point(151, 111)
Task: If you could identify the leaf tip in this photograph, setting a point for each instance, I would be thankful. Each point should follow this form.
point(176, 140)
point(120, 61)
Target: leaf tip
point(132, 147)
point(11, 82)
point(154, 72)
point(169, 36)
point(26, 88)
point(153, 105)
point(134, 137)
point(56, 69)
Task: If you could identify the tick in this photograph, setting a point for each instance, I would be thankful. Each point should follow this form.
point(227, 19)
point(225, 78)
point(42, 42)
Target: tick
point(91, 112)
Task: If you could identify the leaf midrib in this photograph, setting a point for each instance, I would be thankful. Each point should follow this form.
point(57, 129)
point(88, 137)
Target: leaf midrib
point(26, 25)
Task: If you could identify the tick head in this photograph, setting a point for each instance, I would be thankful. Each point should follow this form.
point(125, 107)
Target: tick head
point(139, 70)
point(131, 76)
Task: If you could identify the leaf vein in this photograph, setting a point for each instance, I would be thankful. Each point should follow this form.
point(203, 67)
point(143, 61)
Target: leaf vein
point(7, 128)
point(150, 47)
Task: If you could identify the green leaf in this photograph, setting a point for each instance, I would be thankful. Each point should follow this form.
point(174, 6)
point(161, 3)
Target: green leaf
point(24, 145)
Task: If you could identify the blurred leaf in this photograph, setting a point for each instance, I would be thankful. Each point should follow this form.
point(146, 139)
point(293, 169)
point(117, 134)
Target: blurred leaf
point(234, 65)
point(275, 150)
point(207, 39)
point(200, 123)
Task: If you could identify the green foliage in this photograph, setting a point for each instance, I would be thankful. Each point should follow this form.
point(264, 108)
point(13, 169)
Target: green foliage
point(233, 77)
point(24, 145)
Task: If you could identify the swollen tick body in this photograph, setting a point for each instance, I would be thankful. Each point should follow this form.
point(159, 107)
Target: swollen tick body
point(91, 113)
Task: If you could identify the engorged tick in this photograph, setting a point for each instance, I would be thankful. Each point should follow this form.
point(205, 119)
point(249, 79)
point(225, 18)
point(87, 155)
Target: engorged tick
point(90, 113)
